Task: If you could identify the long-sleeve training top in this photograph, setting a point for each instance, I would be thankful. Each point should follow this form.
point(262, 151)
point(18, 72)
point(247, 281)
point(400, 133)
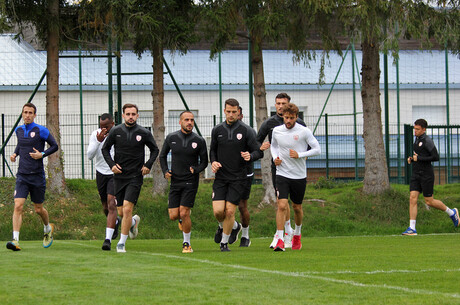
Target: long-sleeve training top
point(94, 152)
point(297, 138)
point(267, 127)
point(129, 145)
point(426, 150)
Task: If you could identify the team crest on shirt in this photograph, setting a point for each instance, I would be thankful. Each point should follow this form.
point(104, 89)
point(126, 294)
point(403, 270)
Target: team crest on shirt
point(296, 137)
point(239, 136)
point(138, 138)
point(32, 134)
point(194, 145)
point(420, 144)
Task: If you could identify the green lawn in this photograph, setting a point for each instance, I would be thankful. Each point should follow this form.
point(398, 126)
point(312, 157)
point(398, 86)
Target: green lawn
point(328, 270)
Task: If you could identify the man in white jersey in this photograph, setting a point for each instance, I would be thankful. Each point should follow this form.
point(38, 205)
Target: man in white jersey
point(289, 149)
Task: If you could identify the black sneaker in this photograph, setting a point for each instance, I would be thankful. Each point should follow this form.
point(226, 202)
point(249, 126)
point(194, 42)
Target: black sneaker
point(218, 236)
point(234, 235)
point(117, 225)
point(245, 242)
point(106, 245)
point(224, 247)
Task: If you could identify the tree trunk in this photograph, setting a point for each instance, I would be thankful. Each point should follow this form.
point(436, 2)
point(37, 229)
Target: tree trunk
point(376, 172)
point(260, 97)
point(56, 179)
point(160, 184)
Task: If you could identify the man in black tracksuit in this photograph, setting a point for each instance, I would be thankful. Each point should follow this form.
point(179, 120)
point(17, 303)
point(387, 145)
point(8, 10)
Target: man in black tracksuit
point(422, 179)
point(189, 157)
point(129, 141)
point(232, 145)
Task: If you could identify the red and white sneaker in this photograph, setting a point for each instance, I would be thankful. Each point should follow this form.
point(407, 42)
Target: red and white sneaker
point(296, 243)
point(279, 245)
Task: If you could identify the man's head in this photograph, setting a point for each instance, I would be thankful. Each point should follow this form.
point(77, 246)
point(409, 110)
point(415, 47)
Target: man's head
point(231, 110)
point(290, 114)
point(130, 114)
point(29, 112)
point(281, 100)
point(420, 126)
point(240, 115)
point(186, 121)
point(106, 121)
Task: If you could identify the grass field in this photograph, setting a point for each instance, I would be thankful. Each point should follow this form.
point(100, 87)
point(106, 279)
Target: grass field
point(328, 270)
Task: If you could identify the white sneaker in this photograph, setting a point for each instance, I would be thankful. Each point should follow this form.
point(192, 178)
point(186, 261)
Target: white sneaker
point(288, 240)
point(274, 242)
point(133, 231)
point(121, 248)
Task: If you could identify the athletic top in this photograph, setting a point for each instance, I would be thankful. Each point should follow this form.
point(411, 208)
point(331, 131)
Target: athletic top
point(297, 138)
point(129, 143)
point(94, 151)
point(32, 136)
point(227, 143)
point(250, 164)
point(187, 150)
point(426, 150)
point(269, 124)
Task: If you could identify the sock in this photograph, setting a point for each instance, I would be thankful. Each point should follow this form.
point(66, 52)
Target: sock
point(133, 222)
point(186, 237)
point(225, 238)
point(16, 235)
point(47, 228)
point(109, 233)
point(287, 227)
point(123, 239)
point(449, 211)
point(221, 224)
point(235, 225)
point(297, 230)
point(245, 232)
point(280, 234)
point(412, 224)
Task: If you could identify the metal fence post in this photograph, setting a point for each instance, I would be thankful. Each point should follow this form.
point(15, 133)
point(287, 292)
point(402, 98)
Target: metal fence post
point(3, 140)
point(408, 132)
point(327, 144)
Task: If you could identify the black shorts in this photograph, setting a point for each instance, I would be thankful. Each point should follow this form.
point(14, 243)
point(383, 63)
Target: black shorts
point(128, 189)
point(422, 182)
point(182, 194)
point(247, 188)
point(293, 188)
point(228, 190)
point(104, 185)
point(34, 184)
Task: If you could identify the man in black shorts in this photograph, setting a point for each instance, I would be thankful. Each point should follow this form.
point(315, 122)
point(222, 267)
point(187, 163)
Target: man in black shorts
point(232, 144)
point(30, 178)
point(128, 166)
point(422, 179)
point(189, 157)
point(104, 178)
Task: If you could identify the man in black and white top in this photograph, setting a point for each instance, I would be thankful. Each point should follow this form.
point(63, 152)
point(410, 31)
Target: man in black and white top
point(289, 148)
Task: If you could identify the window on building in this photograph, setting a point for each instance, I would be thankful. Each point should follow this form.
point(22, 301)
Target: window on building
point(434, 115)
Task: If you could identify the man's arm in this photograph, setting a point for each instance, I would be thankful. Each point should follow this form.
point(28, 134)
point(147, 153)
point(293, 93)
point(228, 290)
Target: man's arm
point(431, 148)
point(274, 147)
point(53, 146)
point(213, 146)
point(152, 145)
point(109, 142)
point(164, 155)
point(263, 132)
point(254, 145)
point(93, 146)
point(311, 142)
point(203, 158)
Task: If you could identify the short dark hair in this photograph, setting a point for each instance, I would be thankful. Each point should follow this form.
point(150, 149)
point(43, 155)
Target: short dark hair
point(232, 102)
point(185, 111)
point(283, 95)
point(31, 106)
point(240, 109)
point(291, 109)
point(106, 116)
point(130, 106)
point(421, 122)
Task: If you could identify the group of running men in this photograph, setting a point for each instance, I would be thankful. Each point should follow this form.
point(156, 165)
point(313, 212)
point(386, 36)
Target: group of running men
point(119, 154)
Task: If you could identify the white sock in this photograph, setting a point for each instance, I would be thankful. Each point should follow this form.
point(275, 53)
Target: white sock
point(449, 211)
point(221, 224)
point(280, 234)
point(225, 238)
point(297, 230)
point(109, 233)
point(186, 237)
point(16, 235)
point(235, 225)
point(412, 224)
point(47, 228)
point(123, 239)
point(245, 232)
point(287, 227)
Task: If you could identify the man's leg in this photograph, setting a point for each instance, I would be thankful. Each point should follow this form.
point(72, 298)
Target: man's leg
point(17, 222)
point(105, 207)
point(174, 213)
point(298, 217)
point(218, 207)
point(111, 223)
point(186, 220)
point(229, 221)
point(48, 227)
point(413, 198)
point(438, 204)
point(245, 218)
point(126, 224)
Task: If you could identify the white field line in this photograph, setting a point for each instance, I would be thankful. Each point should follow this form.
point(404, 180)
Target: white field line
point(308, 275)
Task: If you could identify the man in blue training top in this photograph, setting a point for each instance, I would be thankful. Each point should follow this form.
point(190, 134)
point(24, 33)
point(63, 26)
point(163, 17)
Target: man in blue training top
point(31, 174)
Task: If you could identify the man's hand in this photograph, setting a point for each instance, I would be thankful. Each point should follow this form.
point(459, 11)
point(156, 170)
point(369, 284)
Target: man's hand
point(215, 166)
point(102, 135)
point(36, 154)
point(116, 169)
point(13, 157)
point(265, 146)
point(145, 170)
point(246, 155)
point(192, 170)
point(415, 157)
point(293, 154)
point(409, 160)
point(168, 175)
point(277, 161)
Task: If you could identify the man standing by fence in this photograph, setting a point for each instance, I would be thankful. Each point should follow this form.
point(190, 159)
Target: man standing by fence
point(31, 173)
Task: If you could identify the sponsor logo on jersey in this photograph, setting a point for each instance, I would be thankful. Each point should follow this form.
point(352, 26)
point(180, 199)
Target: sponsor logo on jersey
point(296, 137)
point(32, 134)
point(138, 138)
point(194, 145)
point(173, 143)
point(239, 136)
point(420, 144)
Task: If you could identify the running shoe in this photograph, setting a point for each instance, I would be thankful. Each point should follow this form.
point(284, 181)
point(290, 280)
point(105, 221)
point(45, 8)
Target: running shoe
point(186, 248)
point(245, 242)
point(296, 243)
point(274, 242)
point(235, 232)
point(224, 247)
point(409, 231)
point(279, 245)
point(48, 237)
point(455, 217)
point(117, 226)
point(288, 240)
point(179, 224)
point(13, 245)
point(218, 235)
point(106, 246)
point(133, 231)
point(121, 248)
